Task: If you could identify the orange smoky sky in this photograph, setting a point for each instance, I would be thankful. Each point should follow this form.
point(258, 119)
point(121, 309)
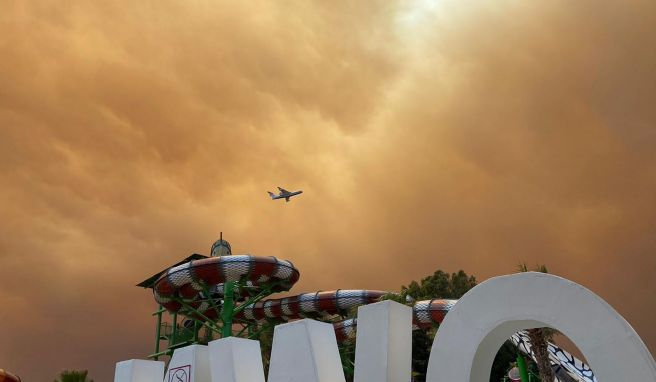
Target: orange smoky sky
point(426, 135)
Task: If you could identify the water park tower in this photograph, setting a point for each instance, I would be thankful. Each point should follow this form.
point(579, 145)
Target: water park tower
point(203, 298)
point(215, 290)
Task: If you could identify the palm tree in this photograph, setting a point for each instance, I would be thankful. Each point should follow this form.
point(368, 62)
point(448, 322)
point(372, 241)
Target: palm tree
point(540, 337)
point(73, 376)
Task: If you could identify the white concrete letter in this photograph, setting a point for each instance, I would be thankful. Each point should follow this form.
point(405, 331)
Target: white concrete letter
point(137, 370)
point(235, 359)
point(475, 328)
point(189, 364)
point(383, 350)
point(305, 351)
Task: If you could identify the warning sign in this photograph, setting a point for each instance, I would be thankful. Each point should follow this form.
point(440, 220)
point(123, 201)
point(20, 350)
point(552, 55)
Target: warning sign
point(180, 374)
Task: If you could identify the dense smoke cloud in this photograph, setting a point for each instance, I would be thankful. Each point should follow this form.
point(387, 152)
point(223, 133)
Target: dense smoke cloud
point(425, 134)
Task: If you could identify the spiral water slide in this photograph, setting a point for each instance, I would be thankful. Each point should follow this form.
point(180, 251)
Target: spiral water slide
point(189, 284)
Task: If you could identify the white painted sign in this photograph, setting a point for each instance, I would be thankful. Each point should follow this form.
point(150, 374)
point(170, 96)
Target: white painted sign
point(189, 364)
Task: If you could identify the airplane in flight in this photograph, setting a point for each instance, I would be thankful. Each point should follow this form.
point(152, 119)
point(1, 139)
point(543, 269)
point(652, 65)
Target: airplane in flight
point(284, 194)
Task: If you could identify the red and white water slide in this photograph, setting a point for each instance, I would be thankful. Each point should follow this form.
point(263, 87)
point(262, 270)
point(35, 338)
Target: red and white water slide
point(187, 281)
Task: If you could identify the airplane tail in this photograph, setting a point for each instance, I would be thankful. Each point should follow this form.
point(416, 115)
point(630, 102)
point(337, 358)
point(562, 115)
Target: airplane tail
point(271, 194)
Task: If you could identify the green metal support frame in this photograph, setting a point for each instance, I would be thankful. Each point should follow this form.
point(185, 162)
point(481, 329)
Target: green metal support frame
point(208, 295)
point(222, 326)
point(245, 328)
point(158, 334)
point(228, 308)
point(190, 309)
point(259, 331)
point(174, 330)
point(523, 370)
point(266, 291)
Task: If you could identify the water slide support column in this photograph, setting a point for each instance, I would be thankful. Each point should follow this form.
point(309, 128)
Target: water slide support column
point(521, 365)
point(228, 308)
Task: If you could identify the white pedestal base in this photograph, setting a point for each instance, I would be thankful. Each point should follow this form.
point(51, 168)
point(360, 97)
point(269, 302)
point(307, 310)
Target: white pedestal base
point(137, 370)
point(189, 364)
point(383, 350)
point(236, 360)
point(305, 351)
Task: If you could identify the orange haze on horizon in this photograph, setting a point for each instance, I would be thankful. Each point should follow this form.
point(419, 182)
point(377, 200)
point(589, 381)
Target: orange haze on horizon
point(425, 134)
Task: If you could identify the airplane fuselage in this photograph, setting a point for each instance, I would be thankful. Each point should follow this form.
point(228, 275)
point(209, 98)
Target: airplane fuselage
point(284, 194)
point(288, 195)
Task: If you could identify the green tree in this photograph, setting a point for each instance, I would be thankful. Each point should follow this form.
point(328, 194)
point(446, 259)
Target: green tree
point(438, 285)
point(540, 337)
point(73, 376)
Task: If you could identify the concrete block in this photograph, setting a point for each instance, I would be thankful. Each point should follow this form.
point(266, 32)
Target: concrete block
point(236, 360)
point(189, 364)
point(383, 350)
point(137, 370)
point(305, 351)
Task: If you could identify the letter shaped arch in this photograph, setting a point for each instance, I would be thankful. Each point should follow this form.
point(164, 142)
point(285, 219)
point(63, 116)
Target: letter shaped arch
point(486, 316)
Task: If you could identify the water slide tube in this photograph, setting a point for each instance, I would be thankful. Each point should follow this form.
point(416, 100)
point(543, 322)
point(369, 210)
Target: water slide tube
point(187, 283)
point(6, 376)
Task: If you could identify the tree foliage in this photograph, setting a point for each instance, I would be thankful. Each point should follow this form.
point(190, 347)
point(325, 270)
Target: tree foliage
point(440, 285)
point(73, 376)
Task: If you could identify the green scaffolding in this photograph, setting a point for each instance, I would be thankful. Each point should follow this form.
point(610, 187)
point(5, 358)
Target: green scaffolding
point(190, 326)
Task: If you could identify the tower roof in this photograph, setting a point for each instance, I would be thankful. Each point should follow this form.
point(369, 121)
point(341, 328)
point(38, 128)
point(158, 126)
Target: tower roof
point(149, 282)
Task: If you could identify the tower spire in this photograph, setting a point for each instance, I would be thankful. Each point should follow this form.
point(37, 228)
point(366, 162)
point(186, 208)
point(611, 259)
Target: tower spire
point(220, 247)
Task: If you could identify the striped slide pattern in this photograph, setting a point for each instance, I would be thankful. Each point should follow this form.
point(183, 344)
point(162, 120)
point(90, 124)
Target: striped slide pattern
point(565, 365)
point(186, 282)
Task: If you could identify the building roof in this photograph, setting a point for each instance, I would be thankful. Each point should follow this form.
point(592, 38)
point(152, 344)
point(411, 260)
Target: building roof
point(150, 282)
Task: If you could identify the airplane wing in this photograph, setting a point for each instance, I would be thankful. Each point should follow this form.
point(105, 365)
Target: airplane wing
point(283, 190)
